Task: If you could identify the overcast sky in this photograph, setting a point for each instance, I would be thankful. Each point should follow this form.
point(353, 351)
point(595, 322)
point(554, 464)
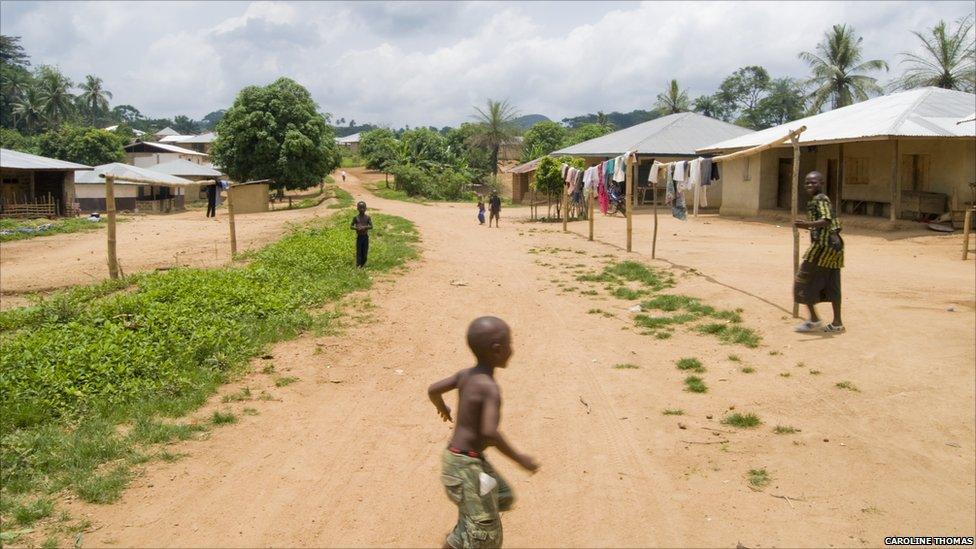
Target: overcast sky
point(399, 63)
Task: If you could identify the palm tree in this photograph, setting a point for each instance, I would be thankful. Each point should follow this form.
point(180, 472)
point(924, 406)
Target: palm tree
point(947, 59)
point(54, 90)
point(837, 70)
point(15, 84)
point(496, 127)
point(673, 100)
point(708, 105)
point(29, 107)
point(94, 97)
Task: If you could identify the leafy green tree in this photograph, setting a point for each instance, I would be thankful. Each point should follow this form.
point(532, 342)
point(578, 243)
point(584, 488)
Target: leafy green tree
point(709, 105)
point(57, 102)
point(126, 114)
point(275, 132)
point(838, 72)
point(673, 99)
point(208, 122)
point(948, 59)
point(84, 145)
point(465, 156)
point(740, 93)
point(785, 101)
point(425, 148)
point(185, 125)
point(14, 83)
point(381, 150)
point(12, 53)
point(586, 132)
point(549, 180)
point(16, 141)
point(543, 138)
point(496, 128)
point(94, 96)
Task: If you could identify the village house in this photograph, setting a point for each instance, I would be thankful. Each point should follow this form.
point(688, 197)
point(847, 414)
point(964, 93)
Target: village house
point(193, 172)
point(36, 186)
point(148, 153)
point(349, 142)
point(666, 139)
point(200, 143)
point(911, 149)
point(167, 197)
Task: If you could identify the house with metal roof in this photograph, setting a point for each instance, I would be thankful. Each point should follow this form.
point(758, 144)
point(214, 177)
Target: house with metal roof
point(36, 186)
point(166, 131)
point(168, 196)
point(149, 153)
point(192, 171)
point(914, 150)
point(665, 139)
point(200, 143)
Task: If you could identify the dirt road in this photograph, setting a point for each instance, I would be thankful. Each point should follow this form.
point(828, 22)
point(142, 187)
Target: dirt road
point(144, 243)
point(349, 455)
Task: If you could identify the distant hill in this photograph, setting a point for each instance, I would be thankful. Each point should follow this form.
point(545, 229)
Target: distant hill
point(620, 120)
point(529, 120)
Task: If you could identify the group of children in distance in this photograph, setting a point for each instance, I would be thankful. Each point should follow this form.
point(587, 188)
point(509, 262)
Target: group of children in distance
point(495, 205)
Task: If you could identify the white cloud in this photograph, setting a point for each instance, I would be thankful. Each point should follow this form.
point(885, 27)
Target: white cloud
point(428, 63)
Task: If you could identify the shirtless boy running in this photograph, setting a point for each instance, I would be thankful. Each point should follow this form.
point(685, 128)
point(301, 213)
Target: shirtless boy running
point(471, 482)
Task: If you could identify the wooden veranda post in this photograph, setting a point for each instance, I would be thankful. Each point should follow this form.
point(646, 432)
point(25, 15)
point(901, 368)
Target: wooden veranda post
point(113, 262)
point(589, 211)
point(895, 190)
point(654, 238)
point(793, 208)
point(230, 219)
point(629, 178)
point(565, 202)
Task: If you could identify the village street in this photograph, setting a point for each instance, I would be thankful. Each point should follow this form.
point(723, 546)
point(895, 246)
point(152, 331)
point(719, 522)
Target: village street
point(350, 454)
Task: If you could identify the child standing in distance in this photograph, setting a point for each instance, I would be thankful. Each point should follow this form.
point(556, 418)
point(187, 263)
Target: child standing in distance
point(481, 210)
point(472, 484)
point(362, 225)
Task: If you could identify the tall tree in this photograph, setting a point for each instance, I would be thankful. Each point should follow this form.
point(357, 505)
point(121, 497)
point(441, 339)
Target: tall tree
point(55, 93)
point(276, 132)
point(126, 113)
point(948, 59)
point(15, 81)
point(94, 96)
point(29, 107)
point(838, 72)
point(496, 128)
point(543, 138)
point(785, 101)
point(184, 124)
point(741, 92)
point(673, 100)
point(208, 122)
point(12, 53)
point(709, 105)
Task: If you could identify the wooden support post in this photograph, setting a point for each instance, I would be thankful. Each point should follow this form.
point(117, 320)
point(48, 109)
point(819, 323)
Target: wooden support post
point(628, 199)
point(230, 219)
point(967, 227)
point(654, 238)
point(839, 198)
point(113, 262)
point(794, 196)
point(565, 207)
point(695, 198)
point(589, 212)
point(895, 180)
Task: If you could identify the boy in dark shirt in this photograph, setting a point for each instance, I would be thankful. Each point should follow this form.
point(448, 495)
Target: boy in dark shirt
point(361, 224)
point(471, 482)
point(495, 208)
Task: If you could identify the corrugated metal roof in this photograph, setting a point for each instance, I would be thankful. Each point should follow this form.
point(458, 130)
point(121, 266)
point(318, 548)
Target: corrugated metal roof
point(126, 170)
point(16, 160)
point(115, 127)
point(673, 135)
point(167, 131)
point(184, 168)
point(529, 166)
point(165, 147)
point(925, 112)
point(202, 138)
point(354, 138)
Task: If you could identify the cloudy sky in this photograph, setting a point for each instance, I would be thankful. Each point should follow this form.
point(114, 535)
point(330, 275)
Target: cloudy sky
point(399, 63)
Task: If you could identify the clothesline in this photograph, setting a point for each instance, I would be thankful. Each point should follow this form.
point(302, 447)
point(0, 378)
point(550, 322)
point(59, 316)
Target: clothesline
point(595, 180)
point(682, 175)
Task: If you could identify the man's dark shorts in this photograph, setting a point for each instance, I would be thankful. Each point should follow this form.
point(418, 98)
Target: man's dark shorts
point(815, 284)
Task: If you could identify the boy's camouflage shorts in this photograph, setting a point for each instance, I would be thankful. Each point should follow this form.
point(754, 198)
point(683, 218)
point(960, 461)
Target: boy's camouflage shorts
point(478, 525)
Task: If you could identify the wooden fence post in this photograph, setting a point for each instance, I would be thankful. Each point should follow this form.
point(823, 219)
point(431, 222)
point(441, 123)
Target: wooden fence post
point(629, 178)
point(230, 218)
point(565, 202)
point(589, 212)
point(654, 239)
point(793, 209)
point(113, 262)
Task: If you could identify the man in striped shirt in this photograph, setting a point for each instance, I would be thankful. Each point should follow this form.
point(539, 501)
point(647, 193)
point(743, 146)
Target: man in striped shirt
point(818, 279)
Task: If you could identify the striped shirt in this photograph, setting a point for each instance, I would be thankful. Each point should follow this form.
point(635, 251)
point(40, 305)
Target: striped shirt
point(821, 252)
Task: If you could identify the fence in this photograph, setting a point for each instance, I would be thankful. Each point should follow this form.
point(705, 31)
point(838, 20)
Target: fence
point(45, 206)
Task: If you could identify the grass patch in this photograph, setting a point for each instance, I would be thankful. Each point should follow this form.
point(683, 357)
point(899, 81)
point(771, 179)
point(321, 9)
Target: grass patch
point(285, 381)
point(848, 385)
point(222, 418)
point(692, 364)
point(623, 292)
point(22, 229)
point(625, 366)
point(662, 335)
point(785, 430)
point(731, 334)
point(78, 363)
point(742, 421)
point(673, 412)
point(747, 370)
point(784, 374)
point(631, 271)
point(243, 394)
point(734, 358)
point(250, 411)
point(343, 198)
point(815, 372)
point(695, 384)
point(28, 513)
point(758, 478)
